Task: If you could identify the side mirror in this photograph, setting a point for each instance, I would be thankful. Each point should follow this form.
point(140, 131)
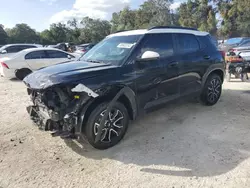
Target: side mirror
point(149, 55)
point(4, 52)
point(69, 57)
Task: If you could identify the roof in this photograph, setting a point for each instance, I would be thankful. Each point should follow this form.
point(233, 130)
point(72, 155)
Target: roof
point(7, 45)
point(160, 30)
point(41, 48)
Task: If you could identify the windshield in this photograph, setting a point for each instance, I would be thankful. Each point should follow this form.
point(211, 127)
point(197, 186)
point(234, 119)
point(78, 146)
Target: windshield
point(234, 40)
point(2, 48)
point(112, 49)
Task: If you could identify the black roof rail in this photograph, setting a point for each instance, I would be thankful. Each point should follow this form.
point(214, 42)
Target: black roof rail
point(172, 27)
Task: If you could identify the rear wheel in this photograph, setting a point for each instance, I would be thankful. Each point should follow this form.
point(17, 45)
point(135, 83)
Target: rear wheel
point(212, 90)
point(115, 126)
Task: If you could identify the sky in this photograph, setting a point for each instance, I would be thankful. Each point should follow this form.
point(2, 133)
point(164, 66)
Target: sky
point(39, 14)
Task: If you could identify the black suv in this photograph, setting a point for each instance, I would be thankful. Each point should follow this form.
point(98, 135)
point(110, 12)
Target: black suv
point(125, 74)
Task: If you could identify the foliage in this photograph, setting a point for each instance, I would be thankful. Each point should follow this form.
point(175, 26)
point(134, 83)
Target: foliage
point(198, 14)
point(234, 21)
point(3, 35)
point(22, 33)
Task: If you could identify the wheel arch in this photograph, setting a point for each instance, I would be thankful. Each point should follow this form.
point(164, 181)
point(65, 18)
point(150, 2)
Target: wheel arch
point(18, 71)
point(214, 70)
point(125, 95)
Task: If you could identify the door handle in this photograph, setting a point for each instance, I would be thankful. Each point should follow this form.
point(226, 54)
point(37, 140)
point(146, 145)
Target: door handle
point(173, 64)
point(207, 57)
point(157, 80)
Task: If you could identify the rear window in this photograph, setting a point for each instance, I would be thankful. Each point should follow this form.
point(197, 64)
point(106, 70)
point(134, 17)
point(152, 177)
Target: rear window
point(36, 55)
point(187, 43)
point(56, 54)
point(207, 42)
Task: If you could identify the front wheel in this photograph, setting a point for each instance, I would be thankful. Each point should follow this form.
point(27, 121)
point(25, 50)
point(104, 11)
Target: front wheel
point(115, 126)
point(212, 90)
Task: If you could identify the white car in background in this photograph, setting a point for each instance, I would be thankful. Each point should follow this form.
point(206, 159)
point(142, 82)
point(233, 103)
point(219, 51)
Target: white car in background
point(11, 49)
point(245, 55)
point(33, 59)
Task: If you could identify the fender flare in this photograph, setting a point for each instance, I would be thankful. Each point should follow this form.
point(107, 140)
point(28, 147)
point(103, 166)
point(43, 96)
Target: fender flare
point(211, 69)
point(126, 91)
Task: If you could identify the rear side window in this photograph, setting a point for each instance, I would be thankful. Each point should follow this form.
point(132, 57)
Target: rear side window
point(27, 47)
point(56, 54)
point(13, 49)
point(18, 48)
point(36, 55)
point(207, 42)
point(160, 43)
point(187, 43)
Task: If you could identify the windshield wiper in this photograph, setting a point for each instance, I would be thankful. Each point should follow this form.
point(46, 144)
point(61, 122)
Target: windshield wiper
point(93, 61)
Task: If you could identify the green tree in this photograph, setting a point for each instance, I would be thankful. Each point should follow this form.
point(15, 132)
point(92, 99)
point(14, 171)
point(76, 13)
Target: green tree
point(3, 35)
point(198, 14)
point(58, 33)
point(22, 33)
point(94, 30)
point(74, 31)
point(155, 13)
point(45, 37)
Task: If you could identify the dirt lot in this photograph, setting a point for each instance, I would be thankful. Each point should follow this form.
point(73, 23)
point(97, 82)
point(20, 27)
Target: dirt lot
point(184, 145)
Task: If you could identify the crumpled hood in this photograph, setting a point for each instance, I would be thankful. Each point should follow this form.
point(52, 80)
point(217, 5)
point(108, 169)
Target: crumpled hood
point(69, 72)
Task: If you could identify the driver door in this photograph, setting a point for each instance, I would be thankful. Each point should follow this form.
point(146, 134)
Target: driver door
point(156, 79)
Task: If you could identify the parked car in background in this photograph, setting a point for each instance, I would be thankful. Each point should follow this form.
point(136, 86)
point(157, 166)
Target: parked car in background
point(120, 78)
point(11, 49)
point(243, 47)
point(83, 48)
point(245, 55)
point(29, 60)
point(232, 43)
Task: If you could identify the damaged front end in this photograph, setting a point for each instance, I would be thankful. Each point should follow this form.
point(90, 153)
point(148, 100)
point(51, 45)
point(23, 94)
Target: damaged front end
point(57, 109)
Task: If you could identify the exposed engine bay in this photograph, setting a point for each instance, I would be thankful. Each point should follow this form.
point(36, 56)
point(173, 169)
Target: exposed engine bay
point(56, 109)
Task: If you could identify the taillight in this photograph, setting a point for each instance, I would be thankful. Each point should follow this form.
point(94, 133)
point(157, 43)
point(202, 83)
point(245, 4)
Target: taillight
point(4, 65)
point(83, 50)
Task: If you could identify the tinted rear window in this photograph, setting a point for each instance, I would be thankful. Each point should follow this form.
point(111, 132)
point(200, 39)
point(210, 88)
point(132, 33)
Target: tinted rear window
point(36, 55)
point(187, 43)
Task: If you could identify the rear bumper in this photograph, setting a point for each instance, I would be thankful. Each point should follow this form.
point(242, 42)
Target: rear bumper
point(7, 73)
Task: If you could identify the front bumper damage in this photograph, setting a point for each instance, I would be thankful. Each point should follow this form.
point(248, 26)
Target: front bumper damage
point(69, 124)
point(65, 122)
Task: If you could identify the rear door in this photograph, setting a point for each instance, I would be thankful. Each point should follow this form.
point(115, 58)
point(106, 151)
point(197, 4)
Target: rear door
point(56, 56)
point(191, 61)
point(157, 79)
point(36, 59)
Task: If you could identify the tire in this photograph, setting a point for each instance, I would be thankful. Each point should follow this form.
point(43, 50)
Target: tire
point(228, 77)
point(116, 131)
point(212, 90)
point(22, 73)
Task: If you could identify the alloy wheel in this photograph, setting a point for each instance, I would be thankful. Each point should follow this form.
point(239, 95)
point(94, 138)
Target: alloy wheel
point(214, 90)
point(113, 125)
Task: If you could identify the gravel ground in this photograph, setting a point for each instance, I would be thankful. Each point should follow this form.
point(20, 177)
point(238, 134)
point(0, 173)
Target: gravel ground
point(182, 145)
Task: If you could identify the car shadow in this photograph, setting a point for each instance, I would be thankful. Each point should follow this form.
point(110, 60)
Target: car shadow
point(184, 139)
